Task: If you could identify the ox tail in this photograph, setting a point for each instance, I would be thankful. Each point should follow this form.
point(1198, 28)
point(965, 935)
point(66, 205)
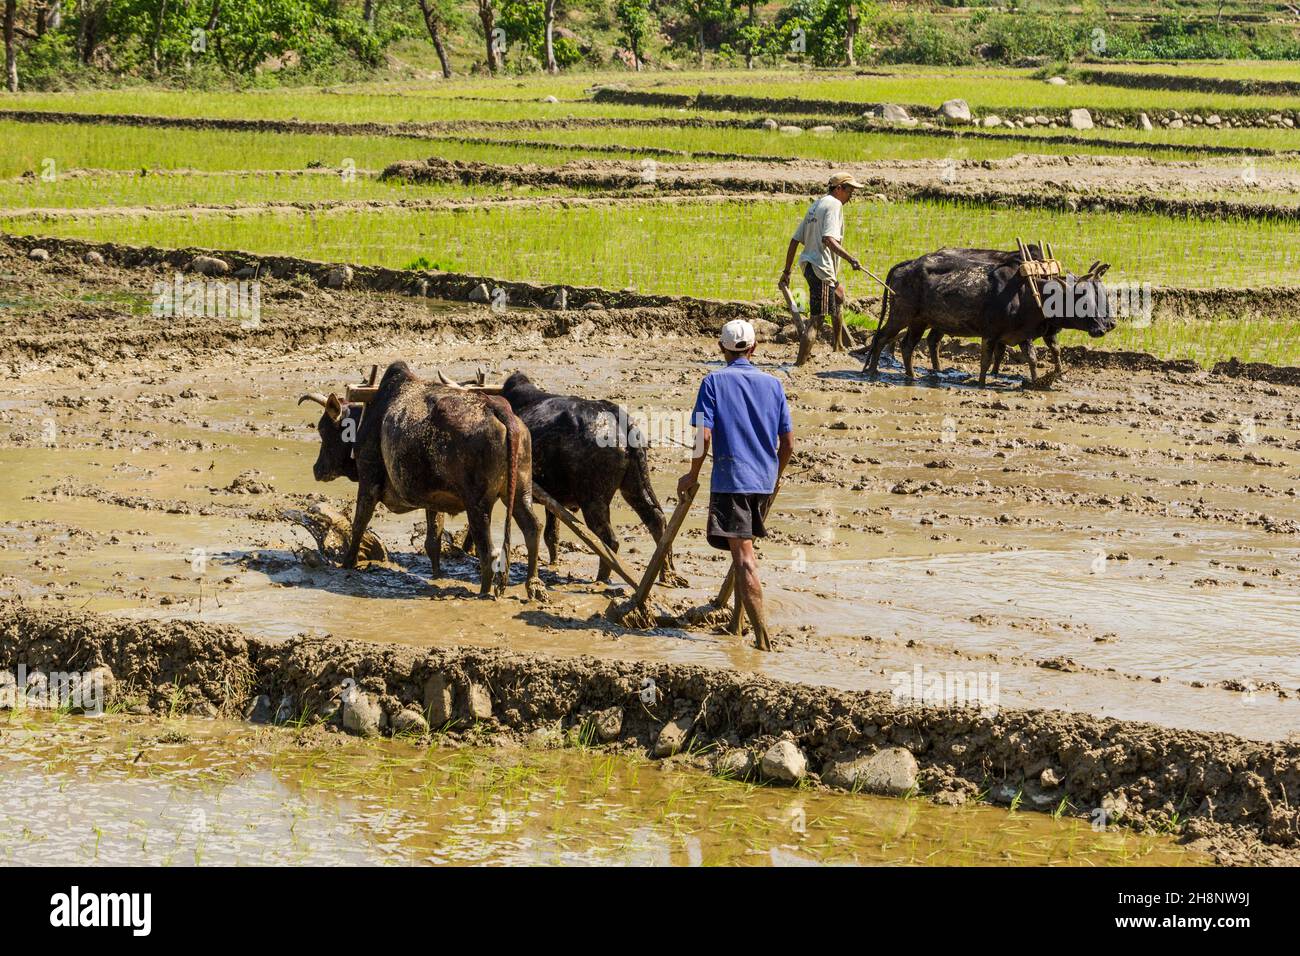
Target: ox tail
point(513, 440)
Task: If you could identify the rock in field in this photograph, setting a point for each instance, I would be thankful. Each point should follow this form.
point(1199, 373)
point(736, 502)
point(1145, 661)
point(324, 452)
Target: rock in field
point(361, 715)
point(608, 724)
point(39, 255)
point(735, 764)
point(672, 737)
point(991, 121)
point(1080, 119)
point(258, 710)
point(892, 113)
point(411, 722)
point(209, 266)
point(791, 130)
point(437, 700)
point(480, 293)
point(891, 772)
point(478, 701)
point(822, 130)
point(772, 125)
point(1144, 121)
point(955, 111)
point(340, 277)
point(1057, 80)
point(93, 258)
point(785, 761)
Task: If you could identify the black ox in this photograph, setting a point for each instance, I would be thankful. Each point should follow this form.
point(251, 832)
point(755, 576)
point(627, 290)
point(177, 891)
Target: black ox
point(980, 293)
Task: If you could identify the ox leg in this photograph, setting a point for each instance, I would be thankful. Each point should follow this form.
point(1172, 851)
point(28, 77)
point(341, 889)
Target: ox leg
point(933, 341)
point(1055, 351)
point(478, 516)
point(986, 357)
point(596, 515)
point(552, 536)
point(527, 521)
point(884, 335)
point(467, 542)
point(1031, 357)
point(367, 498)
point(909, 348)
point(999, 353)
point(433, 521)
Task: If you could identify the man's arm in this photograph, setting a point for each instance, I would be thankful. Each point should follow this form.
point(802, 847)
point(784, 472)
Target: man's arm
point(784, 449)
point(703, 439)
point(834, 245)
point(789, 261)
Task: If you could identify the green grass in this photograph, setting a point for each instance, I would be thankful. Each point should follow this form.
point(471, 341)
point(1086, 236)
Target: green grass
point(729, 250)
point(1274, 341)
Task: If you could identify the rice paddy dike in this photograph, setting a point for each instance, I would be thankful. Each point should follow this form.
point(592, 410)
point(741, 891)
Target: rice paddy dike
point(1114, 554)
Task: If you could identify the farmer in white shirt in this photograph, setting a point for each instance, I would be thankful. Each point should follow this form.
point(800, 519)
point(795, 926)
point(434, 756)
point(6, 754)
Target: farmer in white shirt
point(822, 236)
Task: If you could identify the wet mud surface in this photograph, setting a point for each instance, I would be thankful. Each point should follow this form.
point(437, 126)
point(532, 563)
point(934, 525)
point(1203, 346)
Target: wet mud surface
point(1118, 548)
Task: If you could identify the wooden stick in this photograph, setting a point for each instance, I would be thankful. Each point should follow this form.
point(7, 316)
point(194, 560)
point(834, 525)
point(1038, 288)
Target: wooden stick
point(583, 532)
point(661, 552)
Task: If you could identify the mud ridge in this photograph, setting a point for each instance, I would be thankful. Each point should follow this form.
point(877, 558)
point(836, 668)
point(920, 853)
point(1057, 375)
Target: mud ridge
point(1230, 794)
point(1190, 84)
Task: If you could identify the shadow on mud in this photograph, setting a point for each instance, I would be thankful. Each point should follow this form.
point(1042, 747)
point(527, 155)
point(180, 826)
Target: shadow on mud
point(890, 372)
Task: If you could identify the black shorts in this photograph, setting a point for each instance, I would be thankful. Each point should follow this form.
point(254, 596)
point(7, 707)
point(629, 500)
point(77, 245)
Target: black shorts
point(821, 294)
point(735, 516)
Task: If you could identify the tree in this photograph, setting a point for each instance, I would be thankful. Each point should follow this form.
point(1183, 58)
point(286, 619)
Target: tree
point(440, 16)
point(487, 15)
point(851, 33)
point(11, 49)
point(634, 17)
point(702, 14)
point(549, 14)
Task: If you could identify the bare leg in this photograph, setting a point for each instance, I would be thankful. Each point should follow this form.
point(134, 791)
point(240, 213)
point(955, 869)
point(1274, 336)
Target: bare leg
point(750, 589)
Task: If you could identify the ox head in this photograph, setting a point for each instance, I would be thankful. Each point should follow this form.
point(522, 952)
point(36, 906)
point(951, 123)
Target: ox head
point(1079, 302)
point(337, 428)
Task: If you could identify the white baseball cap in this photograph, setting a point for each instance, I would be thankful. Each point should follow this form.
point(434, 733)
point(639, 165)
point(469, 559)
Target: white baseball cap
point(737, 336)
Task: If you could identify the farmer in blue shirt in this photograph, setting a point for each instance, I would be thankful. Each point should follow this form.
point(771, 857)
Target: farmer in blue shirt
point(743, 414)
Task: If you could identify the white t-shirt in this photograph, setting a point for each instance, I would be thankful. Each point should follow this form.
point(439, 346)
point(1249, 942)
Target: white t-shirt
point(824, 218)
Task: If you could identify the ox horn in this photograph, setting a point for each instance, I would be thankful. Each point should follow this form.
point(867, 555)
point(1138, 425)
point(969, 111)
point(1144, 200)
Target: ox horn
point(443, 379)
point(316, 397)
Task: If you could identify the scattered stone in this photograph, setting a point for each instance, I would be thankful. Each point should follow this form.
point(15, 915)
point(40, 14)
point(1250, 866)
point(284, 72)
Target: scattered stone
point(1057, 80)
point(672, 737)
point(737, 764)
point(892, 772)
point(340, 277)
point(1213, 120)
point(770, 124)
point(1049, 778)
point(608, 724)
point(547, 737)
point(39, 255)
point(246, 272)
point(258, 710)
point(892, 113)
point(1080, 119)
point(550, 99)
point(785, 761)
point(480, 293)
point(1144, 122)
point(478, 702)
point(955, 111)
point(991, 121)
point(361, 715)
point(592, 306)
point(410, 722)
point(93, 258)
point(791, 130)
point(822, 130)
point(1176, 124)
point(438, 700)
point(1004, 793)
point(209, 266)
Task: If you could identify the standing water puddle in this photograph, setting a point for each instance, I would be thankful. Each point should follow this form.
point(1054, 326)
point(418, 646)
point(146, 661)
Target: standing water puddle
point(123, 791)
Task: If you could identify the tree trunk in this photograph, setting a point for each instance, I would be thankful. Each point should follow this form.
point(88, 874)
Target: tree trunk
point(488, 17)
point(435, 34)
point(54, 15)
point(749, 50)
point(156, 45)
point(851, 35)
point(699, 36)
point(11, 51)
point(551, 65)
point(368, 13)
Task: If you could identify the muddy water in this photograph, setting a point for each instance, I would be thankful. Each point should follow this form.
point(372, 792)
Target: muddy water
point(1097, 547)
point(121, 791)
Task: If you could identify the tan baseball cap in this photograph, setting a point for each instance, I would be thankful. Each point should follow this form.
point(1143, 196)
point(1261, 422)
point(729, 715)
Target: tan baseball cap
point(844, 179)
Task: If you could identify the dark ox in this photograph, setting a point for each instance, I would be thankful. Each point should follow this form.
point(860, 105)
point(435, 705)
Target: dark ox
point(424, 445)
point(585, 450)
point(979, 293)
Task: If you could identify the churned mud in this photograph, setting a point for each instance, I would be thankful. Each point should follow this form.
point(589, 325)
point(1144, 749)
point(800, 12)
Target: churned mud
point(1113, 557)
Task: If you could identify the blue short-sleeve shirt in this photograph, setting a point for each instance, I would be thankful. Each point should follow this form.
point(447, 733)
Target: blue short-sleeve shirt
point(748, 411)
